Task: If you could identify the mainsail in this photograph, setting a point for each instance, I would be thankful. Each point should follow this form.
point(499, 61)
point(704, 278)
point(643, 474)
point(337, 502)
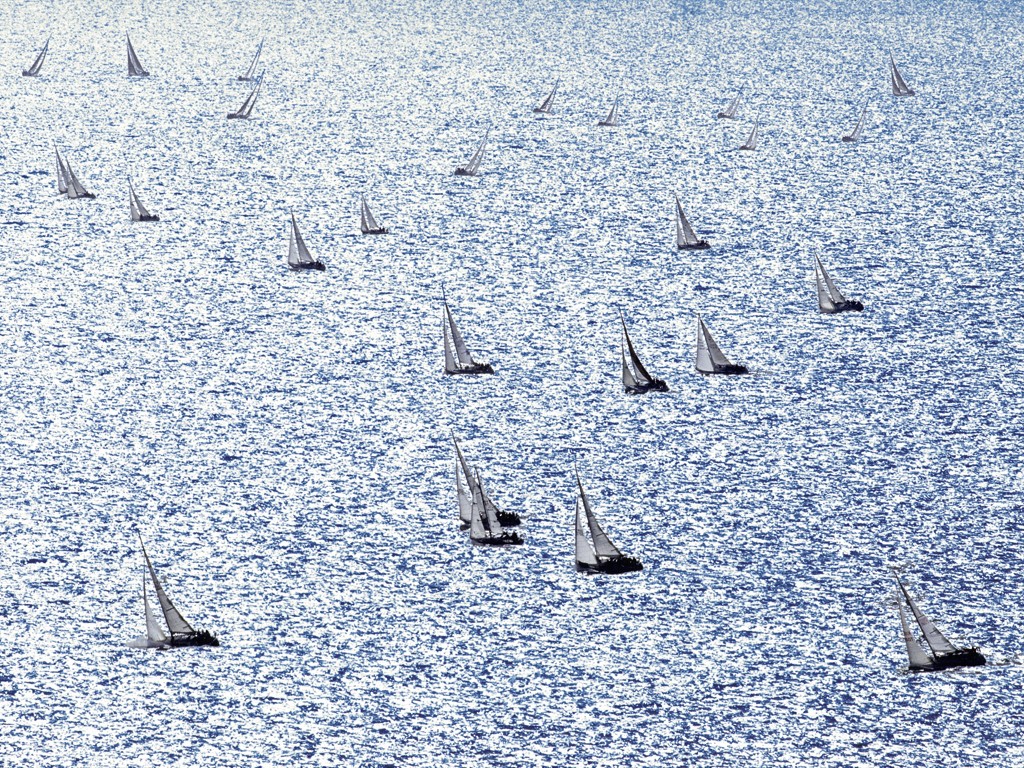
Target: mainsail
point(855, 134)
point(463, 484)
point(603, 546)
point(470, 168)
point(461, 357)
point(250, 101)
point(685, 236)
point(829, 295)
point(62, 174)
point(154, 632)
point(752, 138)
point(709, 355)
point(584, 551)
point(175, 621)
point(135, 68)
point(545, 105)
point(899, 85)
point(248, 76)
point(38, 63)
point(139, 212)
point(298, 253)
point(730, 111)
point(75, 188)
point(917, 655)
point(935, 639)
point(613, 115)
point(367, 223)
point(642, 376)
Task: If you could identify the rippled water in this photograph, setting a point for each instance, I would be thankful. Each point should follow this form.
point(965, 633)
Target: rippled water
point(282, 440)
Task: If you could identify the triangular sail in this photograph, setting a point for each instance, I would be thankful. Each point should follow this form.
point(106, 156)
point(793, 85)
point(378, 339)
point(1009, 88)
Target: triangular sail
point(641, 373)
point(935, 639)
point(135, 68)
point(250, 101)
point(833, 291)
point(366, 221)
point(450, 365)
point(860, 124)
point(138, 209)
point(613, 114)
point(38, 63)
point(752, 138)
point(684, 232)
point(490, 512)
point(478, 528)
point(298, 253)
point(730, 111)
point(899, 85)
point(825, 303)
point(154, 632)
point(62, 175)
point(709, 355)
point(602, 544)
point(461, 350)
point(175, 621)
point(474, 162)
point(628, 379)
point(916, 654)
point(584, 551)
point(546, 104)
point(463, 484)
point(75, 188)
point(255, 60)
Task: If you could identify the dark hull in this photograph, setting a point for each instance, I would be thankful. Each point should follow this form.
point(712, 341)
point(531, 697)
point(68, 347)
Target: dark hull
point(910, 92)
point(614, 565)
point(149, 217)
point(245, 79)
point(471, 370)
point(745, 148)
point(507, 539)
point(725, 116)
point(316, 265)
point(849, 138)
point(236, 116)
point(381, 231)
point(700, 245)
point(462, 172)
point(846, 306)
point(192, 641)
point(606, 124)
point(86, 196)
point(26, 73)
point(965, 657)
point(539, 111)
point(726, 370)
point(655, 386)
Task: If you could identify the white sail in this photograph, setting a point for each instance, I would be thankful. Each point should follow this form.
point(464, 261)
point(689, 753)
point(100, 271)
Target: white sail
point(490, 512)
point(834, 295)
point(825, 303)
point(245, 110)
point(463, 484)
point(752, 138)
point(899, 85)
point(255, 60)
point(935, 639)
point(366, 221)
point(175, 621)
point(450, 364)
point(642, 375)
point(684, 232)
point(477, 524)
point(298, 253)
point(154, 632)
point(602, 544)
point(62, 175)
point(461, 350)
point(75, 188)
point(628, 379)
point(38, 63)
point(916, 654)
point(473, 165)
point(730, 111)
point(613, 114)
point(138, 209)
point(545, 106)
point(584, 551)
point(135, 68)
point(855, 134)
point(709, 355)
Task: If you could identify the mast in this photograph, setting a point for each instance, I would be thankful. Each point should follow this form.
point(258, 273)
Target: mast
point(584, 551)
point(916, 654)
point(603, 546)
point(62, 174)
point(935, 639)
point(461, 350)
point(684, 232)
point(175, 621)
point(642, 375)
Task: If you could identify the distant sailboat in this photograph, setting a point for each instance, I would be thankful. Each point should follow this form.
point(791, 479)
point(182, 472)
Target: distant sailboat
point(855, 133)
point(545, 106)
point(484, 527)
point(465, 481)
point(33, 71)
point(686, 238)
point(471, 168)
point(944, 654)
point(710, 358)
point(62, 174)
point(597, 554)
point(68, 184)
point(613, 115)
point(367, 224)
point(636, 380)
point(458, 361)
point(830, 300)
point(729, 113)
point(250, 72)
point(135, 68)
point(899, 85)
point(180, 633)
point(752, 138)
point(139, 212)
point(298, 254)
point(245, 110)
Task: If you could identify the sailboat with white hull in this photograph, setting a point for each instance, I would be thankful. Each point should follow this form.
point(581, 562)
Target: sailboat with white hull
point(686, 238)
point(245, 111)
point(944, 654)
point(471, 168)
point(545, 106)
point(597, 554)
point(830, 300)
point(855, 133)
point(367, 223)
point(249, 75)
point(484, 527)
point(299, 257)
point(139, 212)
point(636, 380)
point(612, 119)
point(729, 113)
point(899, 85)
point(465, 482)
point(33, 71)
point(458, 360)
point(710, 358)
point(135, 68)
point(751, 143)
point(179, 633)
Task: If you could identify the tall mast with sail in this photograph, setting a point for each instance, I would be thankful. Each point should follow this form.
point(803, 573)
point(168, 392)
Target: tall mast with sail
point(33, 71)
point(471, 168)
point(830, 300)
point(944, 654)
point(855, 133)
point(597, 554)
point(484, 526)
point(465, 479)
point(245, 110)
point(545, 106)
point(71, 186)
point(299, 256)
point(457, 357)
point(899, 85)
point(62, 174)
point(135, 68)
point(686, 238)
point(751, 143)
point(251, 71)
point(710, 358)
point(138, 210)
point(636, 380)
point(613, 115)
point(729, 113)
point(367, 223)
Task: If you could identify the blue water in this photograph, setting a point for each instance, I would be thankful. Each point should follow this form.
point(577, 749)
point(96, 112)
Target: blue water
point(283, 440)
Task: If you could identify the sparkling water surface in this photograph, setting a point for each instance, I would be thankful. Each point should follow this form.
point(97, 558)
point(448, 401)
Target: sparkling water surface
point(283, 440)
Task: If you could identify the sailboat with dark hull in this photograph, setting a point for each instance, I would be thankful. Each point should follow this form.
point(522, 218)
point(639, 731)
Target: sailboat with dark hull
point(180, 634)
point(729, 113)
point(473, 166)
point(37, 65)
point(751, 143)
point(484, 527)
point(710, 358)
point(944, 654)
point(249, 75)
point(830, 300)
point(612, 119)
point(67, 183)
point(458, 361)
point(465, 482)
point(367, 223)
point(135, 68)
point(138, 210)
point(636, 379)
point(245, 111)
point(855, 133)
point(899, 85)
point(686, 238)
point(597, 554)
point(545, 106)
point(299, 257)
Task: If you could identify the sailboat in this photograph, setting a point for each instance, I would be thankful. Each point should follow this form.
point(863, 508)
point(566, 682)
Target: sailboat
point(710, 358)
point(139, 212)
point(248, 77)
point(752, 138)
point(245, 110)
point(298, 254)
point(636, 380)
point(855, 133)
point(830, 300)
point(686, 238)
point(38, 63)
point(729, 113)
point(459, 361)
point(62, 174)
point(367, 224)
point(179, 632)
point(545, 106)
point(67, 183)
point(470, 168)
point(944, 654)
point(465, 481)
point(135, 68)
point(613, 115)
point(484, 527)
point(597, 554)
point(899, 85)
